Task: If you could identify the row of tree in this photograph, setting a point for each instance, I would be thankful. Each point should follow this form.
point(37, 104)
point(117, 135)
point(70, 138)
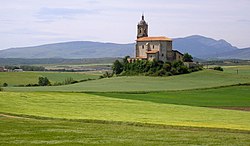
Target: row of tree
point(25, 67)
point(152, 68)
point(44, 81)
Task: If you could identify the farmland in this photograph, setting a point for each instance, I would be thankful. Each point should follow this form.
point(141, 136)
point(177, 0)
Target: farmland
point(202, 108)
point(24, 78)
point(202, 79)
point(18, 131)
point(237, 96)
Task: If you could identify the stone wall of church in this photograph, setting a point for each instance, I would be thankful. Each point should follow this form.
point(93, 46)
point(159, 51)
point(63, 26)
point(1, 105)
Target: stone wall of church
point(178, 56)
point(143, 47)
point(164, 48)
point(141, 50)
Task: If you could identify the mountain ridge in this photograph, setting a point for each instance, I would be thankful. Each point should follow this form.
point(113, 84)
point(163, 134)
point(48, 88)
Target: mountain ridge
point(196, 45)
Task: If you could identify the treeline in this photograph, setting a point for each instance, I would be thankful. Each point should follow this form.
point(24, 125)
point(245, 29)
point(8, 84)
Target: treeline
point(26, 68)
point(44, 81)
point(152, 68)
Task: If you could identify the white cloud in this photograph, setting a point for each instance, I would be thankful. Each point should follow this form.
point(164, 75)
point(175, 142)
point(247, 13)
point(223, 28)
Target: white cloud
point(62, 13)
point(115, 21)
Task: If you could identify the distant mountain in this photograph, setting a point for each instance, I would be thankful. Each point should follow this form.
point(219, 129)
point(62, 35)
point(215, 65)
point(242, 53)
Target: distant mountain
point(198, 46)
point(202, 47)
point(243, 54)
point(70, 50)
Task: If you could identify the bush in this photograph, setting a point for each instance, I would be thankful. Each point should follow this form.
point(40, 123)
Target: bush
point(218, 68)
point(31, 85)
point(183, 70)
point(106, 75)
point(5, 84)
point(117, 67)
point(43, 81)
point(161, 72)
point(151, 68)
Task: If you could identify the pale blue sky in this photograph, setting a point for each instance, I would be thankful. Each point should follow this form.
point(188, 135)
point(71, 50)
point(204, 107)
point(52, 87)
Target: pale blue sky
point(33, 22)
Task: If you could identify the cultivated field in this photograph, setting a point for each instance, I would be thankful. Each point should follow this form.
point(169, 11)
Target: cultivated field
point(19, 131)
point(202, 108)
point(24, 78)
point(197, 80)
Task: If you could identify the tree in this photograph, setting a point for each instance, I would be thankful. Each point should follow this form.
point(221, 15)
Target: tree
point(125, 60)
point(106, 75)
point(5, 84)
point(43, 81)
point(187, 58)
point(117, 67)
point(167, 66)
point(218, 68)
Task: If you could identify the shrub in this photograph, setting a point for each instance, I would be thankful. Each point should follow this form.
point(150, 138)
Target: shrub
point(183, 70)
point(30, 85)
point(43, 81)
point(106, 75)
point(5, 84)
point(218, 68)
point(150, 68)
point(161, 72)
point(117, 67)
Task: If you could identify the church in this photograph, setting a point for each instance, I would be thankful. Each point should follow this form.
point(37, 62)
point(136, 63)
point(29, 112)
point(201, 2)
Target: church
point(154, 48)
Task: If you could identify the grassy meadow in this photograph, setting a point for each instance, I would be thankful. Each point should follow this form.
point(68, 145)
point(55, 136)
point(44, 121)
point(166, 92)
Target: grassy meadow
point(196, 80)
point(235, 96)
point(95, 107)
point(24, 78)
point(136, 110)
point(19, 131)
point(242, 70)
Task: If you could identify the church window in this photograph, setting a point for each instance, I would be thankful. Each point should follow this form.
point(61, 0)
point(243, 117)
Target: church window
point(153, 46)
point(142, 46)
point(162, 55)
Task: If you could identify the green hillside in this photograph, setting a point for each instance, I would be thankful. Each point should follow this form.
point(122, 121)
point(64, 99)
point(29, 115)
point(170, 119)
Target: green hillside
point(93, 107)
point(20, 131)
point(201, 79)
point(202, 108)
point(237, 96)
point(24, 78)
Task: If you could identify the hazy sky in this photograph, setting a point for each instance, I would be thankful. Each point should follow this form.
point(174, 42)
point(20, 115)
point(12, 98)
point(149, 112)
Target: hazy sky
point(35, 22)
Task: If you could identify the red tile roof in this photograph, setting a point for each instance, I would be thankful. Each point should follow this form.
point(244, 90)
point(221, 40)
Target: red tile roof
point(161, 38)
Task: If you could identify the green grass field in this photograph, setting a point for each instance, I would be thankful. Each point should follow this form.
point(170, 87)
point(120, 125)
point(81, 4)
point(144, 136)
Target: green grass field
point(18, 131)
point(236, 96)
point(177, 110)
point(242, 70)
point(24, 78)
point(202, 79)
point(86, 106)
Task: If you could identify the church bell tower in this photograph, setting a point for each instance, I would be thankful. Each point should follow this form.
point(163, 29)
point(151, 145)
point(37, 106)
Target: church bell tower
point(142, 28)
